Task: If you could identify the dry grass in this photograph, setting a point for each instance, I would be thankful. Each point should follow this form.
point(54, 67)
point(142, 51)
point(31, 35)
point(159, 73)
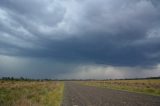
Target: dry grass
point(30, 93)
point(143, 86)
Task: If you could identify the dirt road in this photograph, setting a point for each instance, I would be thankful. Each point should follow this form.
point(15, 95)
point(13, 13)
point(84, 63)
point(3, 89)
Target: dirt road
point(79, 95)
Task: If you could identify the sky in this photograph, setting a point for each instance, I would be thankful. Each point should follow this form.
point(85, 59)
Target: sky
point(80, 39)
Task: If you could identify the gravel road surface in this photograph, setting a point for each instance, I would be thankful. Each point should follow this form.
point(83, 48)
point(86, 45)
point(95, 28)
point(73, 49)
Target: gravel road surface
point(79, 95)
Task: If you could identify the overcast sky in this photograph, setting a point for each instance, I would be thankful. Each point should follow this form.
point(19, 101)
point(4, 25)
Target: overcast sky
point(80, 38)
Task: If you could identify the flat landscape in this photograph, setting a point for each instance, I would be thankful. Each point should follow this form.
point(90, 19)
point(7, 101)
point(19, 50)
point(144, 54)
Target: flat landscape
point(80, 93)
point(79, 52)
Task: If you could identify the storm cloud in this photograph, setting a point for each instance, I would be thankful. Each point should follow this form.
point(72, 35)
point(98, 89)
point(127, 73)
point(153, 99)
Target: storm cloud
point(52, 38)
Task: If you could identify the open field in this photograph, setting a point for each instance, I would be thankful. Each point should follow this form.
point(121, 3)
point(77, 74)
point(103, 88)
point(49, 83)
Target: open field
point(31, 93)
point(147, 86)
point(80, 93)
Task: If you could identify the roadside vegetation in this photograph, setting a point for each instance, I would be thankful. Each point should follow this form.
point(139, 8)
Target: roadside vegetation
point(147, 86)
point(31, 93)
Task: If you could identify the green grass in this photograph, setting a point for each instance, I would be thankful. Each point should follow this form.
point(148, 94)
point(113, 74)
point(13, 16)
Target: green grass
point(151, 87)
point(33, 93)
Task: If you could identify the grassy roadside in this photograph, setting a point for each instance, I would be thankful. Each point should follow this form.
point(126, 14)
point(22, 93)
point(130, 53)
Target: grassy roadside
point(151, 87)
point(31, 93)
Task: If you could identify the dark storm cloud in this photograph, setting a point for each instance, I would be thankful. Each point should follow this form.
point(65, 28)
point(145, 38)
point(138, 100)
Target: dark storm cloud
point(104, 32)
point(101, 50)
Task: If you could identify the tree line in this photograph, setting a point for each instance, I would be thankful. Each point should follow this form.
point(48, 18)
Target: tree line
point(23, 79)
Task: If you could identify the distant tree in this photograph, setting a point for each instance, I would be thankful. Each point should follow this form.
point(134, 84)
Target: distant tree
point(12, 78)
point(21, 78)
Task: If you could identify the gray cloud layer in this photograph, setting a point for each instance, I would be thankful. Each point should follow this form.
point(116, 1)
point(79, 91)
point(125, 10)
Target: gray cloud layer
point(111, 32)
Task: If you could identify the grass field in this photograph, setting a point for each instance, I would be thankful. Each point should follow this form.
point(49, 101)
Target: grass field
point(143, 86)
point(31, 93)
point(50, 93)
